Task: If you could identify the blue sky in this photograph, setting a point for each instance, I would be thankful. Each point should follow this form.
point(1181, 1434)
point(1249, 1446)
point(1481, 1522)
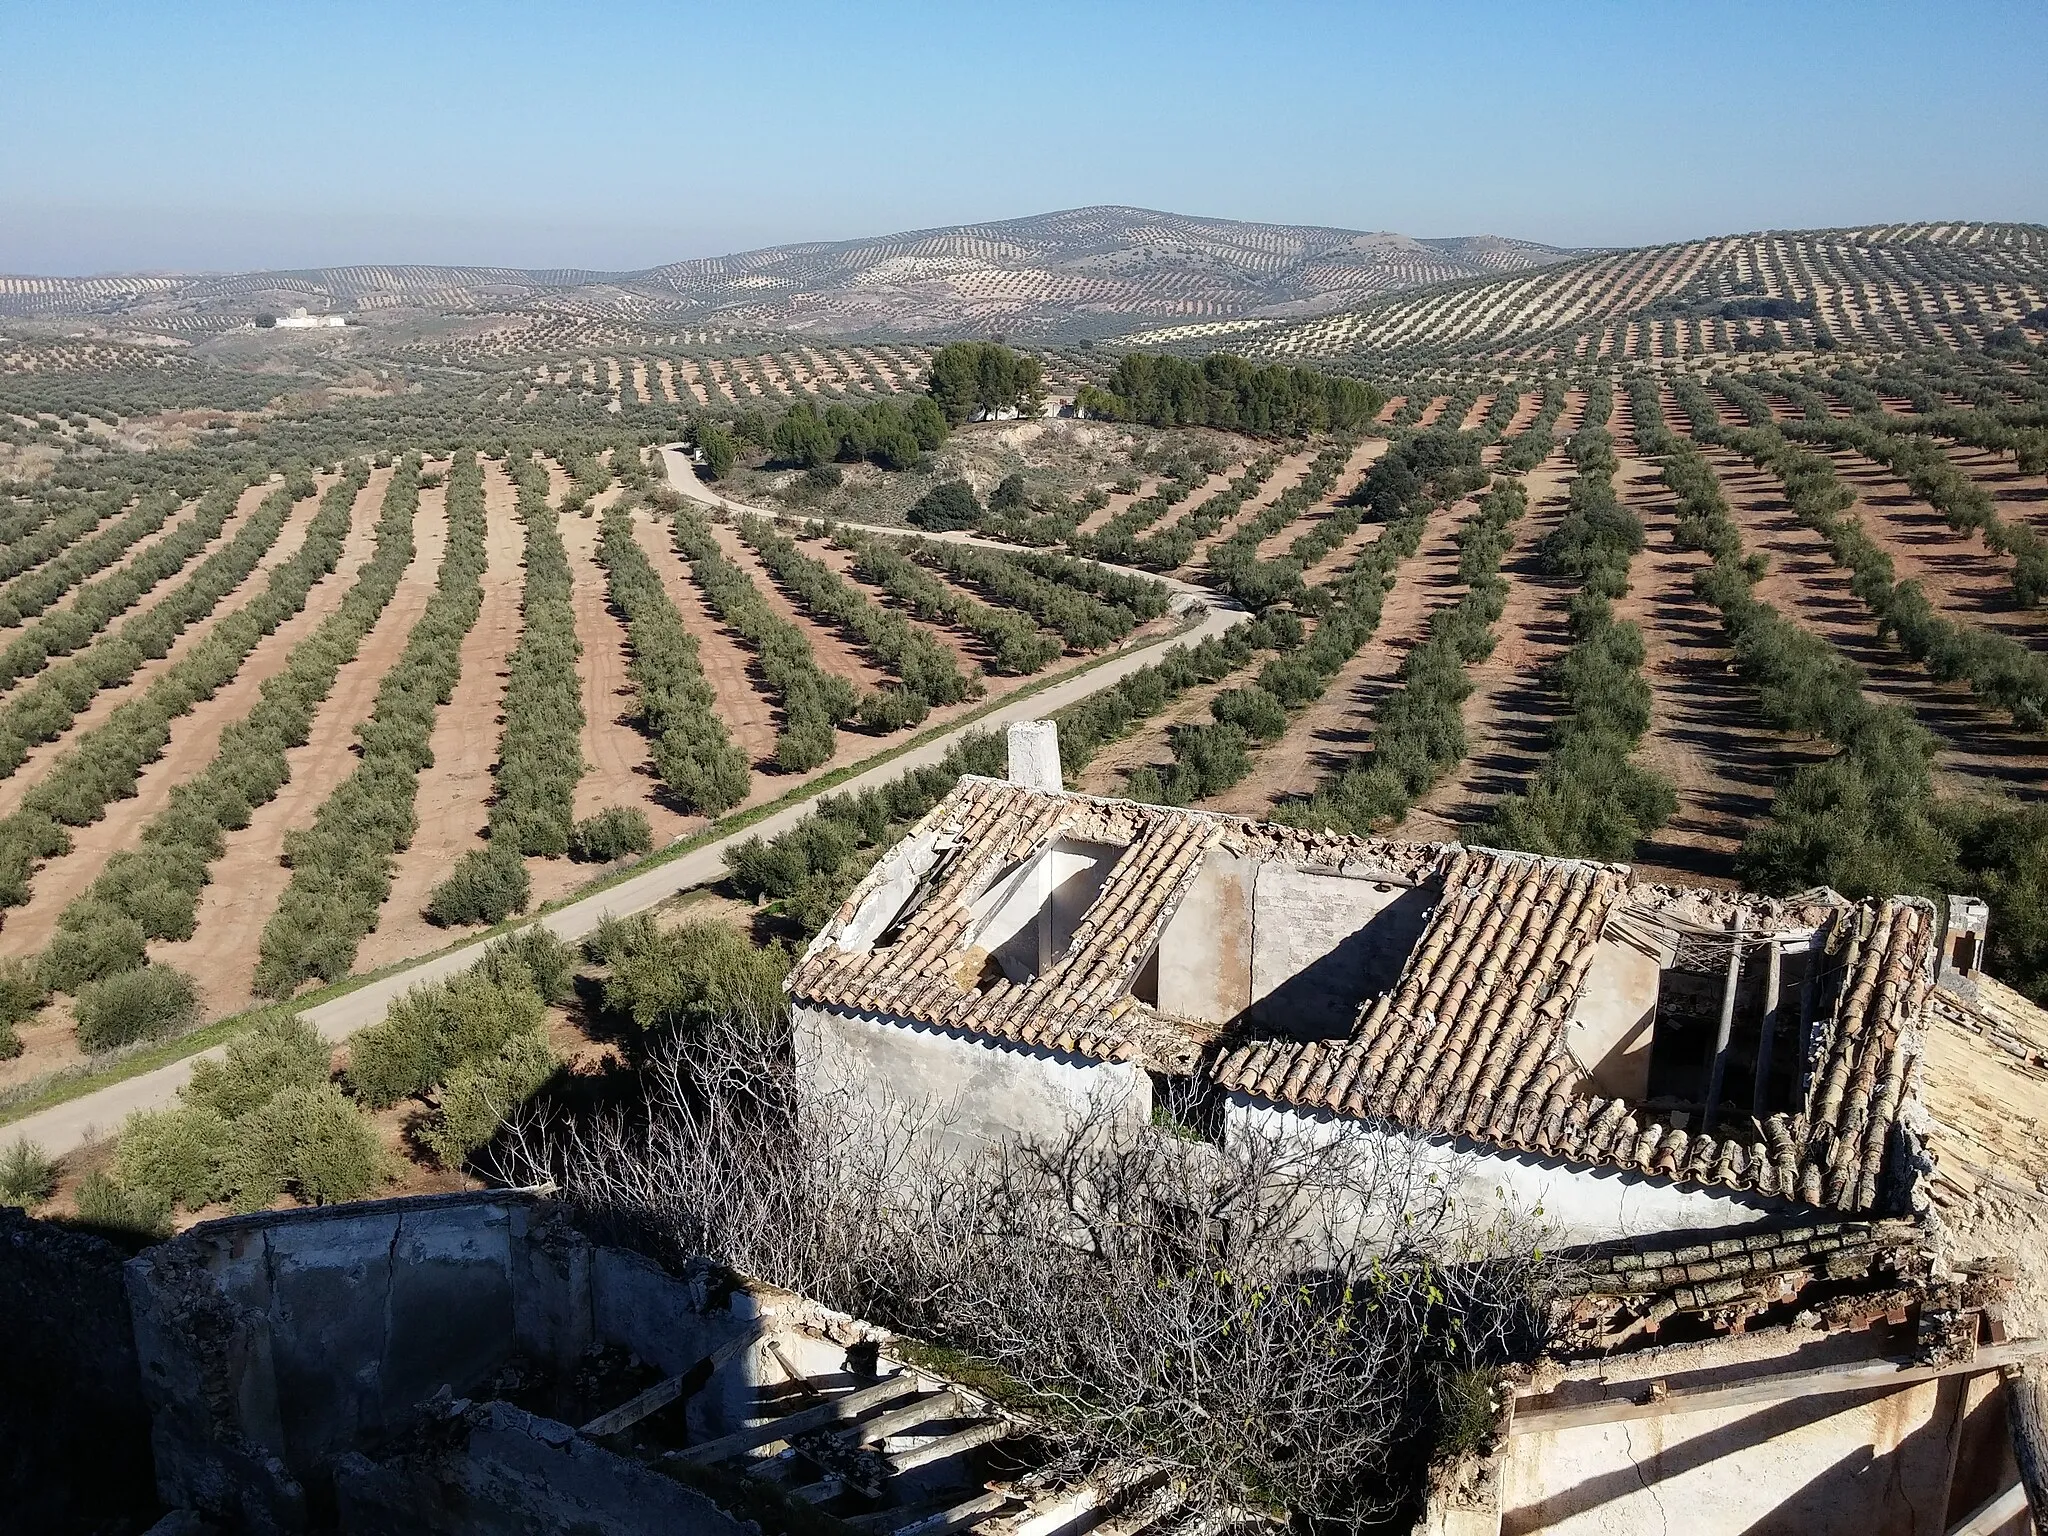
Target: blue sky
point(183, 135)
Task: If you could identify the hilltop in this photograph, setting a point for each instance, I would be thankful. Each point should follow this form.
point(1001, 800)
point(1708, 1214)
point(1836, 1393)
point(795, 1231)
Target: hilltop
point(1882, 288)
point(1081, 272)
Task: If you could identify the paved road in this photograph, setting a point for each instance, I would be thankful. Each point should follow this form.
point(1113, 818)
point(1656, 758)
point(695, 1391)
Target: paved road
point(68, 1126)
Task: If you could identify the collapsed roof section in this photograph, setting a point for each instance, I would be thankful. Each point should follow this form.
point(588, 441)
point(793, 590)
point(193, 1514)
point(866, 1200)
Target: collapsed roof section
point(1531, 1004)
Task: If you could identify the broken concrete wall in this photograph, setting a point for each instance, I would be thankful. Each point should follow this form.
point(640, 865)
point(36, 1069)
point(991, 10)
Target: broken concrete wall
point(1610, 1032)
point(494, 1470)
point(74, 1433)
point(335, 1323)
point(275, 1346)
point(1578, 1205)
point(970, 1090)
point(1296, 950)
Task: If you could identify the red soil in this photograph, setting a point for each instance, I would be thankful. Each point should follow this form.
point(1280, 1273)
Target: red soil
point(454, 792)
point(40, 760)
point(194, 738)
point(250, 877)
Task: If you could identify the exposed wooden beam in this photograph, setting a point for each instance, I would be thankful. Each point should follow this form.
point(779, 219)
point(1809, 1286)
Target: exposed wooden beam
point(664, 1392)
point(1993, 1516)
point(775, 1431)
point(1536, 1416)
point(2026, 1410)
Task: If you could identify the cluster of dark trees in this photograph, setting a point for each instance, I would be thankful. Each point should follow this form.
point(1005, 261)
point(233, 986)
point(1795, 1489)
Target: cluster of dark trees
point(1267, 400)
point(982, 380)
point(892, 436)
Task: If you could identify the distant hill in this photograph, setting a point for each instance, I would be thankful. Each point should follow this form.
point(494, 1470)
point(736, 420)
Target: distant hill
point(1083, 272)
point(1883, 288)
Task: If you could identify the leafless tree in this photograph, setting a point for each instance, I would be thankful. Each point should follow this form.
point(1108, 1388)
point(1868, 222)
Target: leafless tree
point(1277, 1317)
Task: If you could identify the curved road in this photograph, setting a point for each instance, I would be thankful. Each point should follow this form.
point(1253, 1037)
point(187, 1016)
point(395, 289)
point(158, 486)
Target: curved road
point(65, 1127)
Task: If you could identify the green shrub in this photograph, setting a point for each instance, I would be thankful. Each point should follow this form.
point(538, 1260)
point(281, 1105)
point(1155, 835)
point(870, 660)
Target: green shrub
point(694, 974)
point(102, 943)
point(532, 957)
point(946, 507)
point(612, 833)
point(108, 1205)
point(175, 1153)
point(28, 1176)
point(436, 1028)
point(309, 1142)
point(280, 1051)
point(150, 1003)
point(480, 1094)
point(487, 885)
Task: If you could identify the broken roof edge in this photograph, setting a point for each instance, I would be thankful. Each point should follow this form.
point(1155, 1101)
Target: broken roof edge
point(1422, 860)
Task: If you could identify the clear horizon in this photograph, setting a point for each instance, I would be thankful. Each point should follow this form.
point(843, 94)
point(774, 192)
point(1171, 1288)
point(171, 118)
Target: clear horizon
point(227, 137)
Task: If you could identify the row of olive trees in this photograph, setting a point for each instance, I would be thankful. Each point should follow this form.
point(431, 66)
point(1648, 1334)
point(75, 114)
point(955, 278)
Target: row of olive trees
point(928, 675)
point(698, 763)
point(814, 702)
point(342, 864)
point(156, 887)
point(1589, 799)
point(540, 756)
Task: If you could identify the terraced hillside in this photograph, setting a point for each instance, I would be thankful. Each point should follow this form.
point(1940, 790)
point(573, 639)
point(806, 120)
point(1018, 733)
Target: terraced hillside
point(1087, 271)
point(1882, 288)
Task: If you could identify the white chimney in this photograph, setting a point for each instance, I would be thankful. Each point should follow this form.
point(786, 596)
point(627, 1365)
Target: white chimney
point(1035, 755)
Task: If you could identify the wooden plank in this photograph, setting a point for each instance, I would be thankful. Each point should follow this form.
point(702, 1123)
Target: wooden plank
point(852, 1405)
point(1988, 1518)
point(664, 1392)
point(1533, 1417)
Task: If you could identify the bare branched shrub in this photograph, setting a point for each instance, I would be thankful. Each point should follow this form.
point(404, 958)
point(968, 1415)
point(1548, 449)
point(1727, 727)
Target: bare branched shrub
point(1284, 1319)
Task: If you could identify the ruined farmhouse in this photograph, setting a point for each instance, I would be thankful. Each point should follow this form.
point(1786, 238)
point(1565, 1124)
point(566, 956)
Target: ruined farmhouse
point(1764, 1127)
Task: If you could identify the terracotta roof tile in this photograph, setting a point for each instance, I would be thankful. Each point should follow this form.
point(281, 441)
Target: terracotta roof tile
point(1471, 1038)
